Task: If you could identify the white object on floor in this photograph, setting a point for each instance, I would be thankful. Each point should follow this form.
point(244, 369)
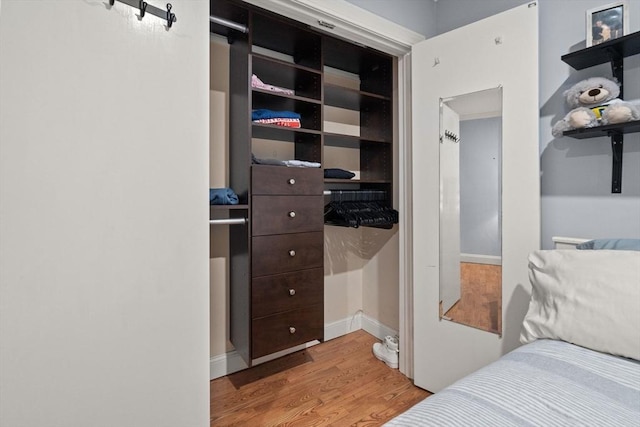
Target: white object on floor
point(387, 351)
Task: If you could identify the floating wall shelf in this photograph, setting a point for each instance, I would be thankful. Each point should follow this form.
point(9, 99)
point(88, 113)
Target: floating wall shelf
point(613, 51)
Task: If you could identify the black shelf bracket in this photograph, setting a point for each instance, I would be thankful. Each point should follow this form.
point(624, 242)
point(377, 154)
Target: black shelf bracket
point(617, 142)
point(145, 7)
point(617, 138)
point(617, 70)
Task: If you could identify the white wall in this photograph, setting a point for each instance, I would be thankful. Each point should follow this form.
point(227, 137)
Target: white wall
point(103, 232)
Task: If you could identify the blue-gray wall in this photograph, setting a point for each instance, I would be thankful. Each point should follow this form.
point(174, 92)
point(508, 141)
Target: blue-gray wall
point(416, 15)
point(480, 143)
point(575, 175)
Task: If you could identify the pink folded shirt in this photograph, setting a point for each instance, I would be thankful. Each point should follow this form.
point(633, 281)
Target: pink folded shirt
point(259, 84)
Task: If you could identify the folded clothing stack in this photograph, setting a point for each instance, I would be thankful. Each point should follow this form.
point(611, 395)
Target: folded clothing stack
point(222, 196)
point(338, 173)
point(289, 163)
point(259, 84)
point(281, 118)
point(301, 164)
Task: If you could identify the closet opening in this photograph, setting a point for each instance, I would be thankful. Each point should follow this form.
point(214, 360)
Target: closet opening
point(304, 235)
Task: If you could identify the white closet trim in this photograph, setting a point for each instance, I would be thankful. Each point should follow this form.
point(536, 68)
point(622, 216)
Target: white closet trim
point(405, 196)
point(349, 21)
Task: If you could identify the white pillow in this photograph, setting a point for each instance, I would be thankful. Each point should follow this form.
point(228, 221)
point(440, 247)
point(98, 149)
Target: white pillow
point(588, 298)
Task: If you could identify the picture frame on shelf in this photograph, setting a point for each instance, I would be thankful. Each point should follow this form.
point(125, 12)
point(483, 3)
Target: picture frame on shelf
point(607, 22)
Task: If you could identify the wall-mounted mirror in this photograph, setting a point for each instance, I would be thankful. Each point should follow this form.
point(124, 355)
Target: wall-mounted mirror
point(470, 209)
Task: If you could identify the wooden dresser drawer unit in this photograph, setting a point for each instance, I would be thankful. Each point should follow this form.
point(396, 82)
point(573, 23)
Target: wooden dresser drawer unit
point(286, 252)
point(288, 291)
point(287, 214)
point(285, 330)
point(282, 180)
point(287, 257)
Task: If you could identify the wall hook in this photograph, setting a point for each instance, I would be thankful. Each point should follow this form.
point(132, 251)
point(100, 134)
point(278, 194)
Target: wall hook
point(143, 8)
point(170, 16)
point(451, 136)
point(151, 9)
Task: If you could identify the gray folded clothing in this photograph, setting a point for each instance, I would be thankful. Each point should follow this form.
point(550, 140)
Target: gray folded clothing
point(273, 162)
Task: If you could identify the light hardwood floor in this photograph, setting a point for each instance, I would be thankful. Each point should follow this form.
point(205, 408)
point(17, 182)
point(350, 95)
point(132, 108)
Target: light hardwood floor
point(336, 383)
point(480, 304)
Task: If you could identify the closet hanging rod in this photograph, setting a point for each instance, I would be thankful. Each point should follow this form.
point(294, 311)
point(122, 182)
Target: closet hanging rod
point(360, 195)
point(229, 221)
point(330, 192)
point(228, 24)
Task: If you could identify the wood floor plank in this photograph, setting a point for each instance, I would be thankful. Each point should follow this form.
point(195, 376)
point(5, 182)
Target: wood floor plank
point(335, 383)
point(481, 295)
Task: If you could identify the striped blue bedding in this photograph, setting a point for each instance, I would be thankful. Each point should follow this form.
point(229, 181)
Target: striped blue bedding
point(544, 383)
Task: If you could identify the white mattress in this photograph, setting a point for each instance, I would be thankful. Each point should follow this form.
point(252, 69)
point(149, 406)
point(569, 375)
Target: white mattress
point(545, 383)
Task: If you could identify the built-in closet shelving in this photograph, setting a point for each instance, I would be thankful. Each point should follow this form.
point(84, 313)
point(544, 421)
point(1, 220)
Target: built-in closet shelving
point(277, 272)
point(614, 52)
point(372, 100)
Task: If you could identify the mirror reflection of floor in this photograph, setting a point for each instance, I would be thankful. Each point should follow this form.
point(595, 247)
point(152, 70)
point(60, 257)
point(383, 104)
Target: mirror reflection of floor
point(480, 304)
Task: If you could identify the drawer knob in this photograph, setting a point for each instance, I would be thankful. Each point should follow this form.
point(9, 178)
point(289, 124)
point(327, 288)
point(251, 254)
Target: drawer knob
point(291, 181)
point(292, 292)
point(292, 330)
point(292, 253)
point(292, 214)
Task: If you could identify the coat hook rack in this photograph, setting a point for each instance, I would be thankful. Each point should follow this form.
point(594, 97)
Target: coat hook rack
point(451, 136)
point(145, 8)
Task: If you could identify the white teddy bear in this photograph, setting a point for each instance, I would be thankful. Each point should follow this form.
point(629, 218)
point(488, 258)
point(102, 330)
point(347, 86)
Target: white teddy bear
point(595, 102)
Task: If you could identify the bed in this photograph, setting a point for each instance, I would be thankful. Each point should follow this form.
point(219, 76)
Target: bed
point(580, 362)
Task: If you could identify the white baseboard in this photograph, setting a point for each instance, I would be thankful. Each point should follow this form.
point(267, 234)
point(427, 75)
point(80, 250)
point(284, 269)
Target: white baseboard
point(376, 328)
point(228, 363)
point(343, 327)
point(481, 259)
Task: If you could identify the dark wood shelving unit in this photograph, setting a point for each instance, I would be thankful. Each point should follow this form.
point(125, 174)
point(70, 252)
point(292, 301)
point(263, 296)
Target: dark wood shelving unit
point(613, 51)
point(350, 140)
point(372, 101)
point(352, 99)
point(356, 181)
point(306, 82)
point(284, 95)
point(279, 132)
point(281, 248)
point(228, 207)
